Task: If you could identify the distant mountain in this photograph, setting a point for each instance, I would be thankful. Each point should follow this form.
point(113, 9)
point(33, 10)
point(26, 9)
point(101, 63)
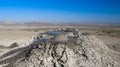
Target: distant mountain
point(39, 23)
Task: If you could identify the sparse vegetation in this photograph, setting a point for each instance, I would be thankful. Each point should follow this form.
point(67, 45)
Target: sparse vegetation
point(13, 45)
point(109, 31)
point(112, 33)
point(37, 29)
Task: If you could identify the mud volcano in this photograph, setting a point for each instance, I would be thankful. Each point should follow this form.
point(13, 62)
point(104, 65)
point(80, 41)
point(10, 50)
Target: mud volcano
point(63, 50)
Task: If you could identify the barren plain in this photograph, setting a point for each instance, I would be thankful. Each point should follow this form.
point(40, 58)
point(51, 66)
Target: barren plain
point(15, 36)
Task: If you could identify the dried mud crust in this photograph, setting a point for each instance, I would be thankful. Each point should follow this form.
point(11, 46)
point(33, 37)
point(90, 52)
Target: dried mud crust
point(68, 54)
point(84, 51)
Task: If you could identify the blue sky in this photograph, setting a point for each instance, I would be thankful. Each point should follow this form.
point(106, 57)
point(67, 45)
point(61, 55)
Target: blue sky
point(105, 11)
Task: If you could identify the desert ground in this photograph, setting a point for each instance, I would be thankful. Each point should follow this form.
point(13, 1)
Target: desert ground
point(109, 35)
point(14, 35)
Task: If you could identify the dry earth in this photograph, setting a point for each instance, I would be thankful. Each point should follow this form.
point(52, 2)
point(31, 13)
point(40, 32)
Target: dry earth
point(21, 34)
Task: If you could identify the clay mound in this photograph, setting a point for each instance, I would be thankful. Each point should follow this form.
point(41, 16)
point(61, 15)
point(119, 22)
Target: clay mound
point(89, 52)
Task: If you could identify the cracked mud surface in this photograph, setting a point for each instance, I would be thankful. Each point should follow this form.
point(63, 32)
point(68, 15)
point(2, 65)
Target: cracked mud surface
point(83, 51)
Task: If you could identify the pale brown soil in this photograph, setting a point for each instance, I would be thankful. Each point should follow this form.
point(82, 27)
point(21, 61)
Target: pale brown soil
point(21, 34)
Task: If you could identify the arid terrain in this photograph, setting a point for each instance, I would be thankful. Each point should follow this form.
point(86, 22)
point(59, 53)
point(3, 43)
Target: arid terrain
point(20, 34)
point(15, 36)
point(110, 35)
